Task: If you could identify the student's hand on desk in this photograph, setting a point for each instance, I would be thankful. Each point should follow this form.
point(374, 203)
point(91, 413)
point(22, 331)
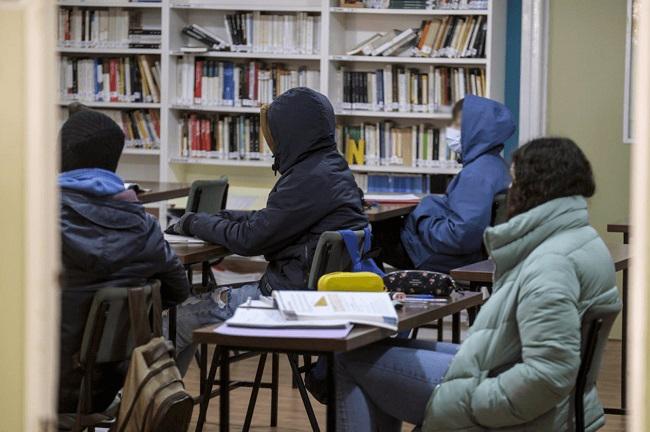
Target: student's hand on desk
point(183, 226)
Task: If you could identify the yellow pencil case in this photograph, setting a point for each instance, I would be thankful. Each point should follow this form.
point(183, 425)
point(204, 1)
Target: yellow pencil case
point(347, 281)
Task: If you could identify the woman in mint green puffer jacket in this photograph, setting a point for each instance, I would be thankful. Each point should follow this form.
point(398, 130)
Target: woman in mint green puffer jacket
point(517, 367)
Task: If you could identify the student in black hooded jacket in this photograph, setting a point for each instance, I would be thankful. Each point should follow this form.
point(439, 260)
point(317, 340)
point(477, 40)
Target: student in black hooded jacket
point(316, 192)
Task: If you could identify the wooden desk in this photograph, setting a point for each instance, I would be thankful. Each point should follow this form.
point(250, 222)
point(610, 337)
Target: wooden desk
point(483, 272)
point(622, 226)
point(410, 317)
point(161, 191)
point(382, 212)
point(197, 253)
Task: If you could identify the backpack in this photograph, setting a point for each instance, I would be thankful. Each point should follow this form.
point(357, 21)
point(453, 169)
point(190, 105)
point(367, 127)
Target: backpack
point(361, 261)
point(154, 397)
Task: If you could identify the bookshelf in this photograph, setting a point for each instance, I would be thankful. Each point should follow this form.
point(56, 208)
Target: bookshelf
point(340, 29)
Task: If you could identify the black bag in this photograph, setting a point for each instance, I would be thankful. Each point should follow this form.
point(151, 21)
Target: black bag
point(420, 282)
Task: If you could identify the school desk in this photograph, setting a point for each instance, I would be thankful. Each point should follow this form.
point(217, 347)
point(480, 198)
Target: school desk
point(482, 274)
point(622, 226)
point(161, 191)
point(409, 317)
point(381, 212)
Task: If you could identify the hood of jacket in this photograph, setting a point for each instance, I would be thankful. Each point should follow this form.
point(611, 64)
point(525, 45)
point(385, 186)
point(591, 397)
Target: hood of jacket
point(301, 122)
point(486, 125)
point(92, 181)
point(510, 243)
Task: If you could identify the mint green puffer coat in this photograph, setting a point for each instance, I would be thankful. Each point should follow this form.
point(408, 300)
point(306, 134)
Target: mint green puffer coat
point(517, 367)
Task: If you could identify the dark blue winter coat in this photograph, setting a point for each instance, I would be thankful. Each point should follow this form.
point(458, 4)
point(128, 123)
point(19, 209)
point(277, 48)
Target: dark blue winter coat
point(445, 232)
point(106, 241)
point(315, 193)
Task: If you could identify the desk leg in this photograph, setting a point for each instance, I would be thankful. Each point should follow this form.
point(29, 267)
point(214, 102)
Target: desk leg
point(254, 392)
point(293, 362)
point(624, 346)
point(207, 389)
point(224, 390)
point(203, 368)
point(331, 392)
point(172, 325)
point(455, 328)
point(275, 369)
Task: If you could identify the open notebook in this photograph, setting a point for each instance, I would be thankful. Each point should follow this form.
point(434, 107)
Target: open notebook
point(319, 309)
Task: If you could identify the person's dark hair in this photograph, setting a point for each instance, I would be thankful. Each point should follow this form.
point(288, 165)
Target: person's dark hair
point(456, 110)
point(545, 169)
point(90, 139)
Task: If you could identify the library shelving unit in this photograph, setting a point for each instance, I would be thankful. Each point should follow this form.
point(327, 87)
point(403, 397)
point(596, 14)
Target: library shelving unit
point(340, 30)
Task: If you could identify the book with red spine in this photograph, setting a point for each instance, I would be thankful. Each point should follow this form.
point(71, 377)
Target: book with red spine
point(198, 75)
point(113, 79)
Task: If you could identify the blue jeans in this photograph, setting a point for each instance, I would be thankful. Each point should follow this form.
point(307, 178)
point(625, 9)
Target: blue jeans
point(203, 310)
point(379, 386)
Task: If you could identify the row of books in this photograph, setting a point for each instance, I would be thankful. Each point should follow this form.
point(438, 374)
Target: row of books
point(105, 79)
point(453, 37)
point(393, 183)
point(104, 28)
point(445, 37)
point(222, 137)
point(201, 81)
point(141, 127)
point(395, 88)
point(384, 144)
point(261, 32)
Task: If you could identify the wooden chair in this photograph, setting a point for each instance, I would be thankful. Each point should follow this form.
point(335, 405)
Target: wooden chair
point(109, 338)
point(596, 325)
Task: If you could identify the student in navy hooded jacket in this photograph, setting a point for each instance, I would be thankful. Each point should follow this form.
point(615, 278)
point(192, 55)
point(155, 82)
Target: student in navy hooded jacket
point(445, 232)
point(107, 239)
point(316, 192)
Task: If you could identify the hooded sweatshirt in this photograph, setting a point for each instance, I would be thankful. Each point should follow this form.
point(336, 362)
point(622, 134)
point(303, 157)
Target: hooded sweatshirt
point(445, 232)
point(107, 239)
point(315, 193)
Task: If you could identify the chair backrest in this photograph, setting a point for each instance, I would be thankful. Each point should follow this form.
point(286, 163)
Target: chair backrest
point(596, 325)
point(499, 209)
point(208, 196)
point(109, 335)
point(331, 256)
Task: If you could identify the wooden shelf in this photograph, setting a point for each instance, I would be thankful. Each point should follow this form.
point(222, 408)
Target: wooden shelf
point(395, 114)
point(121, 51)
point(405, 169)
point(213, 108)
point(234, 7)
point(102, 4)
point(418, 12)
point(410, 60)
point(114, 105)
point(221, 162)
point(141, 152)
point(248, 55)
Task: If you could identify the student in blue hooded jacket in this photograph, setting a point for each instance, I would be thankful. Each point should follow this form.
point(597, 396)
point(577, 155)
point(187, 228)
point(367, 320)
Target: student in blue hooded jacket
point(446, 231)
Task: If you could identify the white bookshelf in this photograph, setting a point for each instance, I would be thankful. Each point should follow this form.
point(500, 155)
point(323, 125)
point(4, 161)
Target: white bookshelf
point(341, 29)
point(417, 12)
point(106, 51)
point(120, 4)
point(141, 152)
